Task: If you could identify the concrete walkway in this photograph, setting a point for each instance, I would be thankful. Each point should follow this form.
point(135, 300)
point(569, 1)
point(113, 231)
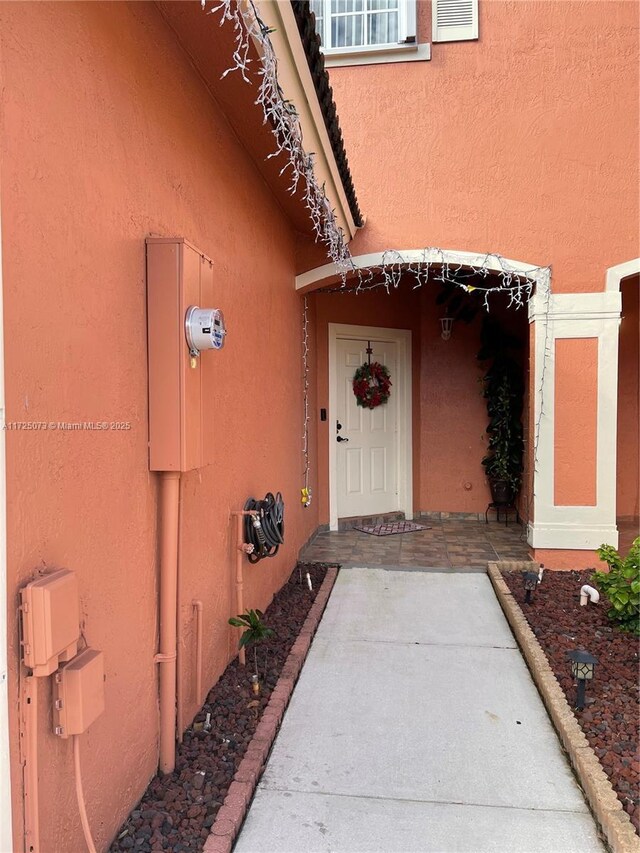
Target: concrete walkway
point(415, 726)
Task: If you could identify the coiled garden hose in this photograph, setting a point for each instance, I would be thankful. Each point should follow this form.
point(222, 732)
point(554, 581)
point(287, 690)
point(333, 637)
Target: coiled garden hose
point(265, 531)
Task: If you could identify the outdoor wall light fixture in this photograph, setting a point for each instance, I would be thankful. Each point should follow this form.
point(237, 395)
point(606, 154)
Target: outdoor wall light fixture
point(531, 581)
point(446, 324)
point(582, 667)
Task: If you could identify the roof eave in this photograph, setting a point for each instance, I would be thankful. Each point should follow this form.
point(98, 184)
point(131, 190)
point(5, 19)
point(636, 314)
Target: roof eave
point(298, 86)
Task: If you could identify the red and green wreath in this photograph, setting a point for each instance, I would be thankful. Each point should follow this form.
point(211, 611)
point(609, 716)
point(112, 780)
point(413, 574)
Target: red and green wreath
point(371, 385)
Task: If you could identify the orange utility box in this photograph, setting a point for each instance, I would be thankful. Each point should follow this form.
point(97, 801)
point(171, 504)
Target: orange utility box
point(50, 621)
point(180, 387)
point(79, 693)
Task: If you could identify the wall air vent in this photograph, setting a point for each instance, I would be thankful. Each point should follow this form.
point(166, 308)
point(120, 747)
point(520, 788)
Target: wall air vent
point(455, 20)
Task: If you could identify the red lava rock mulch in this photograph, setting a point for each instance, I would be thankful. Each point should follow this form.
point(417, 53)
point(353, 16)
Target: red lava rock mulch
point(177, 811)
point(610, 718)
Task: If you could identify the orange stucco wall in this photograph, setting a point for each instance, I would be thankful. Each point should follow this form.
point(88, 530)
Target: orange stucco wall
point(109, 135)
point(628, 402)
point(451, 393)
point(498, 140)
point(447, 471)
point(576, 422)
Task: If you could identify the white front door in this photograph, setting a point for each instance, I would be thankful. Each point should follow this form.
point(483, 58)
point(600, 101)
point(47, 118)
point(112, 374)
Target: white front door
point(367, 452)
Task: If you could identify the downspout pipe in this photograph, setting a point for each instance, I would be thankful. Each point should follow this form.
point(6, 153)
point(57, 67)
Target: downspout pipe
point(198, 607)
point(166, 658)
point(179, 646)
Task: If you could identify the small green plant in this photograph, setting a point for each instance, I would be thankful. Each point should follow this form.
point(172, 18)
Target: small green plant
point(621, 585)
point(255, 632)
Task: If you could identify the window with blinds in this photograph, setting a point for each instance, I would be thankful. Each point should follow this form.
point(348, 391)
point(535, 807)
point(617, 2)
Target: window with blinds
point(351, 25)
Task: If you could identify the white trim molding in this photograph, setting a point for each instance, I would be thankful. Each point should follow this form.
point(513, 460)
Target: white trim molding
point(556, 317)
point(378, 56)
point(620, 271)
point(321, 276)
point(402, 386)
point(574, 306)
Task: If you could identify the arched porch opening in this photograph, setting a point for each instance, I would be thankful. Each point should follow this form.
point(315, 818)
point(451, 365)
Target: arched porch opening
point(411, 291)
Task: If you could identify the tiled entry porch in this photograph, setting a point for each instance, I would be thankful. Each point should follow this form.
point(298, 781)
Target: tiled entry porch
point(454, 543)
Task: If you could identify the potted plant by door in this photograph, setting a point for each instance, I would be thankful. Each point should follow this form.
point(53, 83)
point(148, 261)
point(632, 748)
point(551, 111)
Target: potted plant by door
point(503, 390)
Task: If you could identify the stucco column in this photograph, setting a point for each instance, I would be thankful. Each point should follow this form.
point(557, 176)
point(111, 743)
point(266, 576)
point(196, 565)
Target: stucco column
point(575, 416)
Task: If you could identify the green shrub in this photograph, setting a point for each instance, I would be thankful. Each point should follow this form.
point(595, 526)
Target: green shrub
point(621, 585)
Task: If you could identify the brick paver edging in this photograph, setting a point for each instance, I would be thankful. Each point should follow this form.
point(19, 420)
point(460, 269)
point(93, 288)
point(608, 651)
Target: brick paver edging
point(602, 799)
point(229, 819)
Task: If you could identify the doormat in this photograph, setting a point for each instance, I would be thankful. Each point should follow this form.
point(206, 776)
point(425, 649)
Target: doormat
point(392, 527)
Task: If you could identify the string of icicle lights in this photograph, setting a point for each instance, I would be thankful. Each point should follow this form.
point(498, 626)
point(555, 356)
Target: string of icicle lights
point(282, 116)
point(493, 274)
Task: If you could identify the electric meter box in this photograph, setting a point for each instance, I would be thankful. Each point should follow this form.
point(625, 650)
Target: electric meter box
point(78, 693)
point(204, 329)
point(181, 385)
point(50, 621)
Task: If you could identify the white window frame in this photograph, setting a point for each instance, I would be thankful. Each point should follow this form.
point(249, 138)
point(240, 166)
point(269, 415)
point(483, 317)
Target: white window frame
point(406, 49)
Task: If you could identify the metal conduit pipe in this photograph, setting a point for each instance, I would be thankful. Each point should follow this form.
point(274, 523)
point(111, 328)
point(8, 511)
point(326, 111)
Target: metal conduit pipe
point(179, 646)
point(29, 710)
point(169, 529)
point(197, 606)
point(84, 820)
point(241, 550)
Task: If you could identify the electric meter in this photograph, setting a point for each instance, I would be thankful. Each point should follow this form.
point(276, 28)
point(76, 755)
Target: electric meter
point(204, 329)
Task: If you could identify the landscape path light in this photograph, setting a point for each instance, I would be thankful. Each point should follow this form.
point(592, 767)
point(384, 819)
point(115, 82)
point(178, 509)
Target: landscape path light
point(582, 668)
point(531, 581)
